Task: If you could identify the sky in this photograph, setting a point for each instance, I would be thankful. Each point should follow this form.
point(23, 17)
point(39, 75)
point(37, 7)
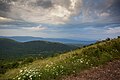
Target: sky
point(73, 19)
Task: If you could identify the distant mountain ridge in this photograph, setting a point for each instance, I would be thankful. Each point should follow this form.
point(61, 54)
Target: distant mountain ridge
point(12, 48)
point(61, 40)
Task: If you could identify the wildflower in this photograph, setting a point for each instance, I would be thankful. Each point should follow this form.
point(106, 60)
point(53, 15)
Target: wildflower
point(24, 76)
point(21, 71)
point(57, 66)
point(61, 66)
point(40, 73)
point(81, 61)
point(51, 63)
point(56, 74)
point(47, 65)
point(19, 78)
point(53, 67)
point(30, 76)
point(27, 74)
point(91, 64)
point(86, 62)
point(73, 71)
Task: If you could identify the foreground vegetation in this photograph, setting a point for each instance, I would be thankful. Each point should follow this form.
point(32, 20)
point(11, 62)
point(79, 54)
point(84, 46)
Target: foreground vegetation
point(68, 63)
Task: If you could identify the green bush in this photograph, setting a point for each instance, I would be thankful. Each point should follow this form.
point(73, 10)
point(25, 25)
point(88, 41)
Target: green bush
point(27, 60)
point(2, 70)
point(105, 57)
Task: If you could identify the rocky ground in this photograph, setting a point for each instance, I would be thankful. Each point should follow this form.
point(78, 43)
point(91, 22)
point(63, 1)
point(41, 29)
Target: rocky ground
point(109, 71)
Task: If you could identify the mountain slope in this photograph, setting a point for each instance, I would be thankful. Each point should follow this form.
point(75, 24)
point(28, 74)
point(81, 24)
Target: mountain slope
point(108, 71)
point(10, 48)
point(68, 63)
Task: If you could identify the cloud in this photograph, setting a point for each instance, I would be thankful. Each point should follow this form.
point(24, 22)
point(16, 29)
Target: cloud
point(74, 18)
point(37, 28)
point(6, 23)
point(61, 11)
point(99, 11)
point(41, 11)
point(4, 19)
point(104, 14)
point(44, 3)
point(113, 30)
point(4, 6)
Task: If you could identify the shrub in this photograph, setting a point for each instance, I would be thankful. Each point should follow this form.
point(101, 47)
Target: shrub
point(2, 69)
point(118, 36)
point(108, 39)
point(27, 60)
point(15, 65)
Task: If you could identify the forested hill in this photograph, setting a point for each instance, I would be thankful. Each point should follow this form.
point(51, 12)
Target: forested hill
point(11, 48)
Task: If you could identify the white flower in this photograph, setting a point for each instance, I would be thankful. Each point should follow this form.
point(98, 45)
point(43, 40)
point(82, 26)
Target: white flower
point(47, 65)
point(27, 74)
point(73, 71)
point(30, 76)
point(86, 62)
point(21, 71)
point(19, 78)
point(81, 61)
point(61, 66)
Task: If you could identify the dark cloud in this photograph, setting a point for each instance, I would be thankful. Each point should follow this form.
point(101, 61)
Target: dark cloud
point(4, 8)
point(60, 10)
point(101, 10)
point(44, 3)
point(16, 24)
point(115, 8)
point(5, 5)
point(42, 11)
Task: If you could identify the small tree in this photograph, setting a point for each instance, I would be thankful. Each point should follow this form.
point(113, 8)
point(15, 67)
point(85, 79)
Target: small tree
point(118, 36)
point(108, 39)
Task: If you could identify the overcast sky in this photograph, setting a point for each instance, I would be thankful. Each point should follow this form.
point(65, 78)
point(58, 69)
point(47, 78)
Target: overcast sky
point(75, 19)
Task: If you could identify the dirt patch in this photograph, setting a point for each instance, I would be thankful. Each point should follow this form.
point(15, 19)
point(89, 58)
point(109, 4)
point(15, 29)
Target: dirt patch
point(109, 71)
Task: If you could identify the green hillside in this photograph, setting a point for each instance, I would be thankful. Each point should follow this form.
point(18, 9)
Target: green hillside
point(13, 49)
point(68, 63)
